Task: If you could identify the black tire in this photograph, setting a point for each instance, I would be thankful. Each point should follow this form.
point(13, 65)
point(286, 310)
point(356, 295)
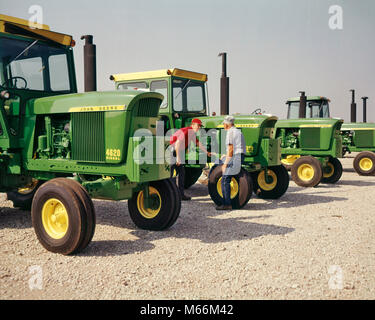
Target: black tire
point(243, 181)
point(89, 207)
point(332, 172)
point(167, 206)
point(62, 194)
point(177, 200)
point(287, 167)
point(276, 188)
point(191, 176)
point(23, 199)
point(364, 163)
point(307, 171)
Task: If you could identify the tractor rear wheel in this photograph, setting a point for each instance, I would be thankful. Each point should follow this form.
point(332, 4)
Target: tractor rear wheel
point(63, 217)
point(164, 209)
point(23, 197)
point(333, 171)
point(364, 163)
point(275, 188)
point(307, 171)
point(241, 187)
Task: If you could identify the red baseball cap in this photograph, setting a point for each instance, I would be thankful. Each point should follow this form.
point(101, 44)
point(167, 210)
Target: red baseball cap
point(197, 121)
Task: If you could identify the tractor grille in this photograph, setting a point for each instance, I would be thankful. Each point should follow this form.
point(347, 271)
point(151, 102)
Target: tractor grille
point(88, 136)
point(148, 107)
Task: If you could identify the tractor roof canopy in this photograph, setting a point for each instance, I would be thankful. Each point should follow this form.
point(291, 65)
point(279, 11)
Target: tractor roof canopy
point(21, 27)
point(310, 98)
point(159, 74)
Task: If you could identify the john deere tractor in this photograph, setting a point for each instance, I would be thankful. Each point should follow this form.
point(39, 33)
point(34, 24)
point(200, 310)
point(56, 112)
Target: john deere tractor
point(60, 148)
point(356, 136)
point(360, 137)
point(185, 98)
point(310, 147)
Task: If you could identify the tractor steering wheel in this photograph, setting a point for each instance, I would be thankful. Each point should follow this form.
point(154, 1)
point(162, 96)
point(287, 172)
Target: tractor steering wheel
point(14, 84)
point(257, 111)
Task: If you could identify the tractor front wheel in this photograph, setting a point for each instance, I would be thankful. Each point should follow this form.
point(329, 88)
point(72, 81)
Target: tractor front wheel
point(275, 187)
point(307, 172)
point(63, 216)
point(241, 187)
point(332, 172)
point(163, 207)
point(364, 163)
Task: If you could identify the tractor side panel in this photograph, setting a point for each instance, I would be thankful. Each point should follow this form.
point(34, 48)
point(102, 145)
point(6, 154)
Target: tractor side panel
point(364, 138)
point(315, 138)
point(251, 136)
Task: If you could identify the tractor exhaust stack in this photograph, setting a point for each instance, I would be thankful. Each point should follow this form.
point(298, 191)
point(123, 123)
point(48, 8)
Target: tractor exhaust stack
point(302, 105)
point(353, 108)
point(364, 108)
point(224, 86)
point(89, 58)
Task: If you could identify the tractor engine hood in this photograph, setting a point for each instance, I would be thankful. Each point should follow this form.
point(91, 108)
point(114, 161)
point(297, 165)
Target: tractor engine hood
point(90, 101)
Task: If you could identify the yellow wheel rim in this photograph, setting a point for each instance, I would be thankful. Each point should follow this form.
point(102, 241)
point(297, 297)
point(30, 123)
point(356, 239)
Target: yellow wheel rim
point(29, 187)
point(55, 218)
point(329, 170)
point(149, 213)
point(234, 188)
point(305, 172)
point(289, 160)
point(366, 164)
point(263, 183)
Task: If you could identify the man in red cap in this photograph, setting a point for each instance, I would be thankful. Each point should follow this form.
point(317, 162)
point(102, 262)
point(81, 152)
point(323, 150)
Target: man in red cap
point(180, 142)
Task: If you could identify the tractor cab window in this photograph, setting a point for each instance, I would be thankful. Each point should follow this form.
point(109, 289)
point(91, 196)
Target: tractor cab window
point(161, 86)
point(314, 109)
point(317, 109)
point(132, 86)
point(33, 65)
point(189, 96)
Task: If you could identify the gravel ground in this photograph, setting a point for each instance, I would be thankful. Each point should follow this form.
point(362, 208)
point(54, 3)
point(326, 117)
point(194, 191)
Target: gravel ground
point(311, 244)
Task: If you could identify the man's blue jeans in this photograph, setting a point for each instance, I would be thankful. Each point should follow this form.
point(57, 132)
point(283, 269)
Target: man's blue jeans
point(233, 169)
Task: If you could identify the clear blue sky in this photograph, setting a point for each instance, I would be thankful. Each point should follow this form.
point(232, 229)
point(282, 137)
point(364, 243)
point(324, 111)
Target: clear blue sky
point(275, 47)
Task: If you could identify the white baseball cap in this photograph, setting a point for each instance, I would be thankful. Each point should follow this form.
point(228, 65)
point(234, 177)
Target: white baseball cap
point(229, 120)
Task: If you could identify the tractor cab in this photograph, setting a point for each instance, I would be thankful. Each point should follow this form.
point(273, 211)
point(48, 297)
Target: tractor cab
point(34, 63)
point(185, 93)
point(316, 107)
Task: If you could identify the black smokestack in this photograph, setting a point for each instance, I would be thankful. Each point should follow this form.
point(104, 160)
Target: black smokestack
point(353, 108)
point(364, 108)
point(224, 86)
point(89, 58)
point(302, 105)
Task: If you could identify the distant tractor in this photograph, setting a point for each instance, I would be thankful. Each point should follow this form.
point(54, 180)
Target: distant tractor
point(356, 136)
point(60, 148)
point(310, 147)
point(185, 98)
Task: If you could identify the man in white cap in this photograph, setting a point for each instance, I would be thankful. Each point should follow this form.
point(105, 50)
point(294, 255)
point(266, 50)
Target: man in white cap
point(235, 153)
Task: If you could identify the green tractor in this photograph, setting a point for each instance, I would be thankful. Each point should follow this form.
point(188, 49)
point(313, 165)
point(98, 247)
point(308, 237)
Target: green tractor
point(310, 147)
point(356, 136)
point(360, 137)
point(185, 98)
point(60, 148)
